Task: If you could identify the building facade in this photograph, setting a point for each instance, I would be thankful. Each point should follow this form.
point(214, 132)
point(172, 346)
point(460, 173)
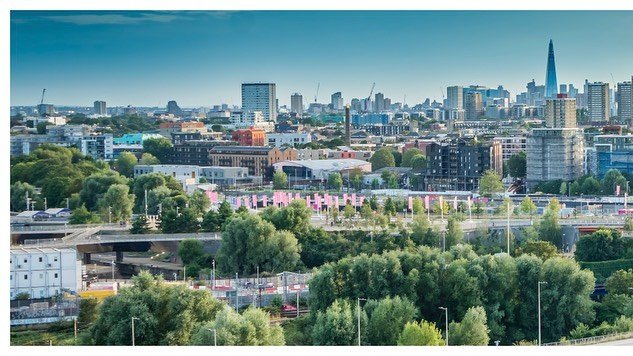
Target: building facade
point(43, 272)
point(337, 101)
point(560, 112)
point(258, 160)
point(296, 104)
point(625, 101)
point(100, 108)
point(473, 105)
point(260, 97)
point(250, 137)
point(554, 153)
point(511, 145)
point(598, 102)
point(288, 139)
point(458, 164)
point(455, 97)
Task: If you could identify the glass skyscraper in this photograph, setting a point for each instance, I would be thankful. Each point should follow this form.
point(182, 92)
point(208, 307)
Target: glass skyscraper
point(551, 85)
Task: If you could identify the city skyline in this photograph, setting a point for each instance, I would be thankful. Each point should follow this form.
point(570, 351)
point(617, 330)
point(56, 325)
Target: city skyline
point(139, 58)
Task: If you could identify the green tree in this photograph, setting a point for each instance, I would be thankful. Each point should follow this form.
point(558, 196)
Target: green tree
point(125, 164)
point(335, 326)
point(190, 251)
point(211, 221)
point(41, 128)
point(387, 318)
point(418, 205)
point(620, 282)
point(420, 334)
point(199, 202)
point(349, 212)
point(116, 203)
point(527, 206)
point(454, 233)
point(252, 328)
point(294, 218)
point(225, 211)
point(541, 249)
point(88, 310)
point(18, 195)
point(389, 207)
point(183, 221)
point(517, 165)
point(602, 245)
point(628, 224)
point(280, 180)
point(96, 185)
point(422, 233)
point(418, 162)
point(56, 190)
point(549, 229)
point(249, 242)
point(407, 157)
point(148, 159)
point(81, 215)
point(611, 179)
point(472, 330)
point(158, 147)
point(140, 225)
point(335, 181)
point(505, 206)
point(490, 183)
point(382, 158)
point(591, 186)
point(167, 314)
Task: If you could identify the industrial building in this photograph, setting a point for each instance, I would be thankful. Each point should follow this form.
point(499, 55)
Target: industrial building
point(319, 170)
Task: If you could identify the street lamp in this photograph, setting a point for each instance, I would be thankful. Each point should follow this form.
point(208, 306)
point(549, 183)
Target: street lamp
point(133, 340)
point(539, 311)
point(112, 263)
point(215, 337)
point(109, 215)
point(358, 311)
point(446, 326)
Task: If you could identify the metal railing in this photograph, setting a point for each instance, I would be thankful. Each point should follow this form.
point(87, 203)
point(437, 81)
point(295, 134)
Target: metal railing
point(592, 339)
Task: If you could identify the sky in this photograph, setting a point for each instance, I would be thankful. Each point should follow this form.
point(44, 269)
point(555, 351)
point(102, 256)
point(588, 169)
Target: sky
point(200, 58)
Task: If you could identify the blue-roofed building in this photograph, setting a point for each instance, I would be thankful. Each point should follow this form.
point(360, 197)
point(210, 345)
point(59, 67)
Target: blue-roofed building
point(134, 139)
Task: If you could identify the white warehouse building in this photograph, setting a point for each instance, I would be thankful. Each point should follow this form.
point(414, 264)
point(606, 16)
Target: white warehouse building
point(43, 272)
point(320, 169)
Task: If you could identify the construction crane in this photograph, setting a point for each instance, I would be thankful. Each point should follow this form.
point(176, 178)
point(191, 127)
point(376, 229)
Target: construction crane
point(369, 97)
point(42, 100)
point(317, 93)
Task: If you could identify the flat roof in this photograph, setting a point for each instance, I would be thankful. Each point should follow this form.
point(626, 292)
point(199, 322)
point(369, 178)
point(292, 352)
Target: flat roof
point(326, 164)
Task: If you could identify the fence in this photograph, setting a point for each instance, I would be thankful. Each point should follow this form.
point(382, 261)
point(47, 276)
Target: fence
point(592, 339)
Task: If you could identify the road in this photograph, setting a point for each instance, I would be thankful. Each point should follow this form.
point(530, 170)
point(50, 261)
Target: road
point(624, 342)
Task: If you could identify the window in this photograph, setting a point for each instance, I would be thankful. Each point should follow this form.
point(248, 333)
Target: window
point(25, 260)
point(55, 259)
point(41, 275)
point(55, 275)
point(40, 259)
point(26, 276)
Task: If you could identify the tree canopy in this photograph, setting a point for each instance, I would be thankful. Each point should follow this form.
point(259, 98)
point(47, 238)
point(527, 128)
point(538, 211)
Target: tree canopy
point(382, 158)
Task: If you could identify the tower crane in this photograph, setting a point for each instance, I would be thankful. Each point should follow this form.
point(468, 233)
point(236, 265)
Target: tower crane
point(369, 97)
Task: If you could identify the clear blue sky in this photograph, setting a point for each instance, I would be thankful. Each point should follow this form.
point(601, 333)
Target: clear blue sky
point(201, 57)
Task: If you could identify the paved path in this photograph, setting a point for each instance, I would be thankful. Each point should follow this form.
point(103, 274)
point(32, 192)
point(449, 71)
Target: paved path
point(624, 342)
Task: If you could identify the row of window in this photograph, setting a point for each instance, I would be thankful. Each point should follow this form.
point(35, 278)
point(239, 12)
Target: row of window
point(39, 259)
point(41, 275)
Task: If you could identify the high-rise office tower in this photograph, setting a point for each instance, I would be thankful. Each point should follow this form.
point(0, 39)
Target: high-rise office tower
point(379, 99)
point(173, 108)
point(473, 105)
point(625, 101)
point(296, 104)
point(598, 101)
point(551, 86)
point(562, 89)
point(455, 96)
point(260, 97)
point(100, 108)
point(560, 112)
point(337, 101)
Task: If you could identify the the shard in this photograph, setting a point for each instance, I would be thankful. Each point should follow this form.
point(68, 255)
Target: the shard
point(551, 85)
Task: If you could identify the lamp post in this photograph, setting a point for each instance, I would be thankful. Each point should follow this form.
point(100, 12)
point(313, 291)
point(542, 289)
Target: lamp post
point(112, 264)
point(358, 311)
point(133, 339)
point(446, 326)
point(508, 228)
point(213, 264)
point(539, 311)
point(215, 337)
point(109, 215)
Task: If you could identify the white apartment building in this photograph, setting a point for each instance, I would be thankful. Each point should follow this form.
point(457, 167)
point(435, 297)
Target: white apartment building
point(43, 272)
point(511, 145)
point(598, 101)
point(290, 139)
